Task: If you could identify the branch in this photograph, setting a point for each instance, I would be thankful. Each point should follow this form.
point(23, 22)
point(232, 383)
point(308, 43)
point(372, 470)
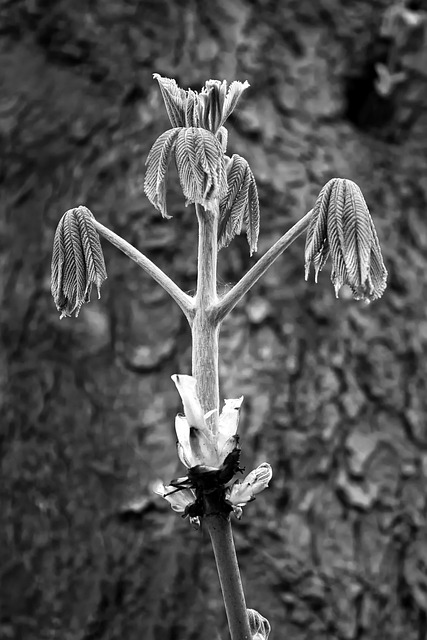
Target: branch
point(205, 369)
point(220, 310)
point(184, 301)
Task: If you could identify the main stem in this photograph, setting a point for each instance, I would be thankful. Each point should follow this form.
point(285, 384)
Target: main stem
point(219, 528)
point(204, 333)
point(205, 369)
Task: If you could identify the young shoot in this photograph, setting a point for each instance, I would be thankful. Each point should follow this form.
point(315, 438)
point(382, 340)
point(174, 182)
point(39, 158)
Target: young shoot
point(223, 190)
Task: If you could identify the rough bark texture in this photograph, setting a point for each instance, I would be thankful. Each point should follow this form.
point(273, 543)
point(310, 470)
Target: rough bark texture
point(335, 392)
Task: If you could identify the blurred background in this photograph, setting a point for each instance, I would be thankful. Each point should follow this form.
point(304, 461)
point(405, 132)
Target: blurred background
point(335, 391)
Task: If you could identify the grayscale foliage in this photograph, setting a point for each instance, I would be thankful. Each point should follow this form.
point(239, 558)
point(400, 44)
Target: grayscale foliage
point(240, 205)
point(234, 92)
point(200, 162)
point(208, 109)
point(201, 166)
point(317, 244)
point(174, 98)
point(157, 169)
point(77, 261)
point(222, 135)
point(251, 216)
point(190, 106)
point(342, 227)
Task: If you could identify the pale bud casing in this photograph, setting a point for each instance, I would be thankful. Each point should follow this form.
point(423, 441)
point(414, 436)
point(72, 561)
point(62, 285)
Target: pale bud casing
point(186, 386)
point(242, 492)
point(179, 500)
point(197, 444)
point(228, 424)
point(259, 626)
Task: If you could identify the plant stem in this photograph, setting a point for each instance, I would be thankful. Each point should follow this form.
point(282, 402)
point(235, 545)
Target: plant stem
point(185, 302)
point(229, 301)
point(205, 369)
point(219, 528)
point(204, 332)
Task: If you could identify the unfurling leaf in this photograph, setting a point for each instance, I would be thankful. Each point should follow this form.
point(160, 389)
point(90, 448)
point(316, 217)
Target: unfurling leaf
point(240, 205)
point(77, 261)
point(234, 92)
point(174, 98)
point(217, 102)
point(342, 227)
point(208, 109)
point(198, 142)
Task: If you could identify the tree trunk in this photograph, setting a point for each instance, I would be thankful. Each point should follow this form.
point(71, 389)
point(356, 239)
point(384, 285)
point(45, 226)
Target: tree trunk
point(335, 392)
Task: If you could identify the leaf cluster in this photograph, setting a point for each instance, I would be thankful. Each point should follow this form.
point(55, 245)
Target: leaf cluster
point(198, 142)
point(341, 227)
point(77, 261)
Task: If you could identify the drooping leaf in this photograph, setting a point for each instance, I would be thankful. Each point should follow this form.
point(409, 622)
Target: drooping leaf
point(201, 167)
point(240, 206)
point(316, 244)
point(232, 206)
point(211, 157)
point(77, 261)
point(335, 234)
point(157, 163)
point(251, 217)
point(378, 271)
point(341, 226)
point(75, 270)
point(92, 251)
point(357, 233)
